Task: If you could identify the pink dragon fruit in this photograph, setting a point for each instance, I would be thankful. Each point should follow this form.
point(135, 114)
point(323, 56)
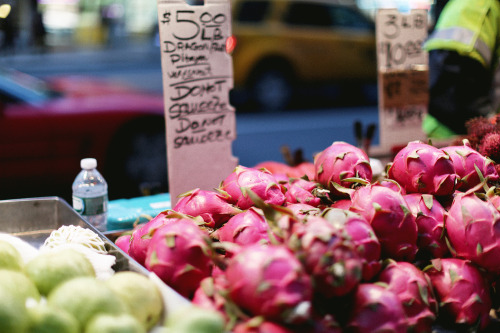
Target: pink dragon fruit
point(361, 234)
point(466, 160)
point(210, 205)
point(245, 228)
point(339, 163)
point(376, 309)
point(123, 243)
point(392, 184)
point(389, 216)
point(331, 259)
point(461, 290)
point(429, 215)
point(422, 168)
point(473, 229)
point(141, 236)
point(262, 183)
point(210, 293)
point(299, 190)
point(301, 210)
point(414, 290)
point(342, 204)
point(269, 281)
point(180, 255)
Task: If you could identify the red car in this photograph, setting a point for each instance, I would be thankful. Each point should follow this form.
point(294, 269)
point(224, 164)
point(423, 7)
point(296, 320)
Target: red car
point(46, 127)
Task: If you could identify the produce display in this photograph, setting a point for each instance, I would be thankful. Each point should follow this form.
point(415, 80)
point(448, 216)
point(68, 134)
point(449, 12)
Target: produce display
point(68, 285)
point(329, 247)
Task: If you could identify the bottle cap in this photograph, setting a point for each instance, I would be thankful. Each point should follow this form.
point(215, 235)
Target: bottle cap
point(88, 163)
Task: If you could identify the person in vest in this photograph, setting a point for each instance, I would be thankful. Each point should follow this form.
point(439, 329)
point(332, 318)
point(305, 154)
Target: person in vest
point(464, 81)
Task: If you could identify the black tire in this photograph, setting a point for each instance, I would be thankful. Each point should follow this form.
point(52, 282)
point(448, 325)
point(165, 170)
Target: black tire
point(271, 87)
point(137, 161)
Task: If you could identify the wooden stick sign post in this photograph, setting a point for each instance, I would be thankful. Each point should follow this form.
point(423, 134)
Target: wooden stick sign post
point(197, 77)
point(403, 76)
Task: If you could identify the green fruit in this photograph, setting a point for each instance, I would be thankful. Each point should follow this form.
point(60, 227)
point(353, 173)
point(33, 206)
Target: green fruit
point(46, 319)
point(140, 294)
point(49, 269)
point(10, 258)
point(19, 283)
point(195, 319)
point(14, 316)
point(85, 297)
point(105, 323)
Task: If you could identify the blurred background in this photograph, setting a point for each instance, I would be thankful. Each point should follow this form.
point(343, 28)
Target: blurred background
point(82, 78)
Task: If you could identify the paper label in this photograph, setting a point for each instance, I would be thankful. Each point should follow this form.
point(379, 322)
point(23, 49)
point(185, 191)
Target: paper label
point(403, 75)
point(197, 77)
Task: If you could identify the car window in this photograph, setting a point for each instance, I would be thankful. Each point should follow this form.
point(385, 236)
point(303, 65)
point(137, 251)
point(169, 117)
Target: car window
point(309, 14)
point(348, 18)
point(252, 11)
point(16, 87)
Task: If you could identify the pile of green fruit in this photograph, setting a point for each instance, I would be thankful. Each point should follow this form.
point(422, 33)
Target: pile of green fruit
point(57, 291)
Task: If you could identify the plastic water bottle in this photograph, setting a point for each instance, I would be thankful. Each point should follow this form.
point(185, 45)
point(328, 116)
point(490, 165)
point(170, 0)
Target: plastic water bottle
point(90, 194)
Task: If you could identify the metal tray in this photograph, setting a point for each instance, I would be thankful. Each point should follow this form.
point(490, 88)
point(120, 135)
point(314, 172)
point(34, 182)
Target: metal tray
point(33, 219)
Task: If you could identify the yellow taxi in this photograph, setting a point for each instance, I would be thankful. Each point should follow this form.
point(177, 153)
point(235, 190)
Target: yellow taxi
point(282, 44)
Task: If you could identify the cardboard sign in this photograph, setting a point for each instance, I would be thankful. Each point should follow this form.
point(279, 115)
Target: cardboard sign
point(197, 77)
point(403, 75)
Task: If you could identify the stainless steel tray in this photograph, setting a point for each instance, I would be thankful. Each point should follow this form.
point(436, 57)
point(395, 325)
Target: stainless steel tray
point(33, 219)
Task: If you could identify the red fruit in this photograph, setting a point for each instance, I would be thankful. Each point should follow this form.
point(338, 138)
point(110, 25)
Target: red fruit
point(471, 166)
point(269, 281)
point(462, 291)
point(262, 183)
point(362, 236)
point(209, 205)
point(330, 258)
point(141, 237)
point(414, 290)
point(422, 168)
point(473, 229)
point(299, 190)
point(391, 219)
point(376, 310)
point(429, 215)
point(245, 228)
point(123, 242)
point(339, 162)
point(179, 254)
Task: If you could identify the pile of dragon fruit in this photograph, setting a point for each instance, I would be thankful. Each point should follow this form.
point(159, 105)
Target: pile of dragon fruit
point(327, 247)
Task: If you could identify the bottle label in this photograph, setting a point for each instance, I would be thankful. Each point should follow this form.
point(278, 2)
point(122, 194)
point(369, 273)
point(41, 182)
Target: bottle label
point(90, 206)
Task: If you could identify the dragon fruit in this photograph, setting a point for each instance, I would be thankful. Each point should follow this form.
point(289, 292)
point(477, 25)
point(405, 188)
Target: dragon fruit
point(422, 168)
point(361, 234)
point(470, 166)
point(342, 204)
point(339, 163)
point(141, 237)
point(245, 228)
point(123, 243)
point(269, 281)
point(473, 229)
point(389, 216)
point(301, 210)
point(210, 294)
point(461, 290)
point(429, 215)
point(261, 182)
point(180, 255)
point(330, 258)
point(414, 290)
point(376, 309)
point(299, 190)
point(209, 205)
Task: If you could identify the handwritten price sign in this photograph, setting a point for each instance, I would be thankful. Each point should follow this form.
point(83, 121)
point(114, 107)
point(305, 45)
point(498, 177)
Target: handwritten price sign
point(197, 78)
point(403, 75)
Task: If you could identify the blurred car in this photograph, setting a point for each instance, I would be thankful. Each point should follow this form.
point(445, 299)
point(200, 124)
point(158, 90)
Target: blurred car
point(47, 127)
point(283, 44)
